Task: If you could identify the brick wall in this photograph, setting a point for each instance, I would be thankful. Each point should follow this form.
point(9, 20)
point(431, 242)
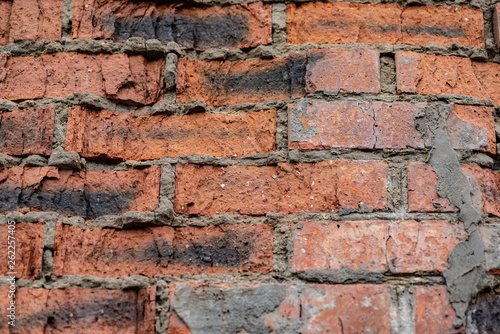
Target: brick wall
point(220, 166)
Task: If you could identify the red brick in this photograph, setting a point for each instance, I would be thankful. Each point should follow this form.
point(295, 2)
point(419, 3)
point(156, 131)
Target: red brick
point(27, 131)
point(422, 246)
point(362, 183)
point(211, 190)
point(422, 193)
point(163, 250)
point(490, 234)
point(429, 74)
point(496, 24)
point(86, 193)
point(351, 124)
point(234, 82)
point(118, 76)
point(433, 312)
point(377, 246)
point(27, 240)
point(486, 188)
point(278, 308)
point(341, 22)
point(239, 26)
point(109, 135)
point(340, 70)
point(473, 128)
point(443, 25)
point(357, 245)
point(359, 308)
point(36, 20)
point(5, 9)
point(81, 310)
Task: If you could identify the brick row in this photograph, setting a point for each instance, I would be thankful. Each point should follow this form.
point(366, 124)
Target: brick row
point(129, 79)
point(323, 186)
point(163, 250)
point(237, 26)
point(79, 310)
point(341, 22)
point(86, 193)
point(30, 20)
point(108, 135)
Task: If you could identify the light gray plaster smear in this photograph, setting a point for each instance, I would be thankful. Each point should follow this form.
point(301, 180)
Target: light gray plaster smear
point(466, 274)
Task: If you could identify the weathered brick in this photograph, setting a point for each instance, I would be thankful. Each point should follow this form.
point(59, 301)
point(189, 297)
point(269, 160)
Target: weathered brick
point(351, 124)
point(482, 314)
point(486, 188)
point(86, 193)
point(81, 310)
point(377, 246)
point(443, 25)
point(27, 131)
point(429, 74)
point(496, 24)
point(121, 77)
point(240, 26)
point(472, 127)
point(422, 246)
point(362, 184)
point(5, 9)
point(341, 22)
point(490, 234)
point(277, 308)
point(341, 70)
point(211, 190)
point(163, 250)
point(433, 312)
point(27, 240)
point(422, 193)
point(35, 20)
point(107, 135)
point(234, 82)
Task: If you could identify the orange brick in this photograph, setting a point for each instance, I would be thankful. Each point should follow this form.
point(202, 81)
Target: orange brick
point(36, 20)
point(5, 9)
point(341, 22)
point(27, 242)
point(433, 312)
point(486, 197)
point(107, 135)
point(163, 250)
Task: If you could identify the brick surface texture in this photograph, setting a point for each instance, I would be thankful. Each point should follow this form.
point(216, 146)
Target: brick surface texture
point(178, 167)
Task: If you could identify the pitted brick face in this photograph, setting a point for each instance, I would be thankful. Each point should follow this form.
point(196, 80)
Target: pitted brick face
point(241, 26)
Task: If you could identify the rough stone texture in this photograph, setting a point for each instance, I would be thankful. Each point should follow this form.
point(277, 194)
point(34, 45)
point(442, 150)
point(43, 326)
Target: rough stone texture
point(422, 193)
point(433, 312)
point(265, 308)
point(233, 82)
point(132, 79)
point(443, 25)
point(163, 250)
point(341, 22)
point(483, 316)
point(486, 189)
point(35, 20)
point(27, 242)
point(339, 70)
point(210, 190)
point(80, 310)
point(377, 246)
point(490, 234)
point(27, 131)
point(496, 24)
point(87, 193)
point(5, 9)
point(472, 128)
point(107, 135)
point(430, 74)
point(239, 26)
point(351, 124)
